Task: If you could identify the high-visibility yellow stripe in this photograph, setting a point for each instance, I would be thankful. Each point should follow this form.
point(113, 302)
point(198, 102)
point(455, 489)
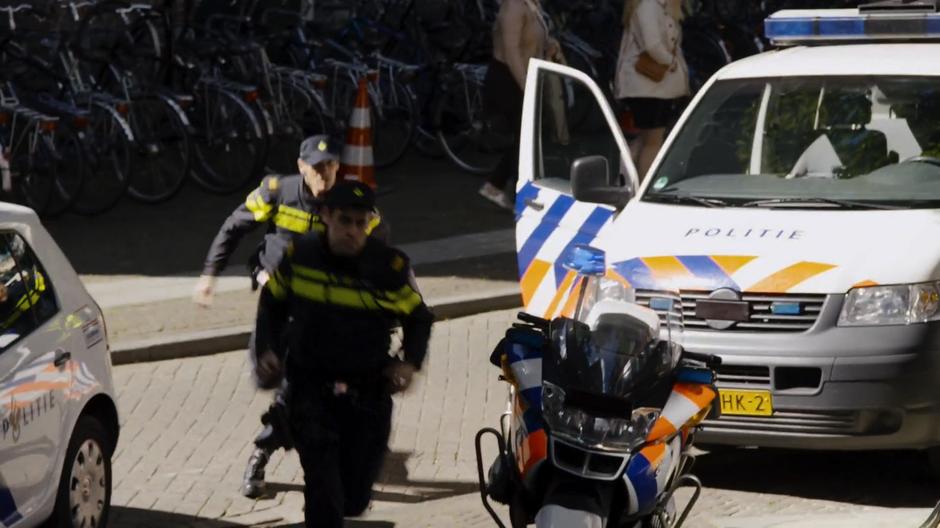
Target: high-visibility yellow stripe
point(352, 297)
point(321, 276)
point(291, 223)
point(787, 278)
point(258, 207)
point(376, 220)
point(276, 286)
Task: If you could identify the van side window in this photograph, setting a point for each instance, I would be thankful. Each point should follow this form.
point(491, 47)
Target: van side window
point(27, 299)
point(571, 125)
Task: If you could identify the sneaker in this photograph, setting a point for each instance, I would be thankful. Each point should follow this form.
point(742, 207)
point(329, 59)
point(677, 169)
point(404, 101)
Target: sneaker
point(498, 197)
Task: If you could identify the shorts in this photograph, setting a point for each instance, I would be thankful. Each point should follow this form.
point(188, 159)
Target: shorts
point(651, 112)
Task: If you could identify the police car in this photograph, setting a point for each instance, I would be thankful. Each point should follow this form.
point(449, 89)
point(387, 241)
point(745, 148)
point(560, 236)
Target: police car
point(793, 214)
point(58, 419)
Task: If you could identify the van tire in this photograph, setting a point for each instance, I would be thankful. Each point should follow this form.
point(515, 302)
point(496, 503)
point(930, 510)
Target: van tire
point(89, 439)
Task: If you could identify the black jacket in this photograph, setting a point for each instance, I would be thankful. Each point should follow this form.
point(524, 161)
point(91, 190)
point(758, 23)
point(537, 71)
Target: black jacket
point(339, 311)
point(285, 206)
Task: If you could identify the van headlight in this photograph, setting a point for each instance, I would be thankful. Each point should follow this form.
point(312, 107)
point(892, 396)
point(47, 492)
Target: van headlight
point(891, 305)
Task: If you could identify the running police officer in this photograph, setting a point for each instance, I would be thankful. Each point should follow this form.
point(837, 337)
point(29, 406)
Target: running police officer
point(334, 298)
point(288, 207)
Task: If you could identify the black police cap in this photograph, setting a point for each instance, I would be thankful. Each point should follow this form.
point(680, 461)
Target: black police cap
point(350, 194)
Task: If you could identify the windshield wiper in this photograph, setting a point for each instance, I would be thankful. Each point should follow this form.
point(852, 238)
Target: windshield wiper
point(842, 204)
point(680, 198)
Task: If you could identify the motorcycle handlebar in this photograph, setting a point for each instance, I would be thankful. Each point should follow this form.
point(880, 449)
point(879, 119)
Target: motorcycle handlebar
point(533, 320)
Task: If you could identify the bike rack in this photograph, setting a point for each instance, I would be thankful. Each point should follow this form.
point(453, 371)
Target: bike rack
point(481, 478)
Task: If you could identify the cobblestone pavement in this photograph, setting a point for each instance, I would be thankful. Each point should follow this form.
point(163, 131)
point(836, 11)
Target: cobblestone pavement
point(187, 426)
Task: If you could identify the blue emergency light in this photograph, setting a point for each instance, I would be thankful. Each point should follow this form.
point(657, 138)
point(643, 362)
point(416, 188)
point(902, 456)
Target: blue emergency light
point(896, 20)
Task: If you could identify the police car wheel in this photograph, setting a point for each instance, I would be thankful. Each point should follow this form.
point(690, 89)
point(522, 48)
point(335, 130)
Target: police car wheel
point(84, 495)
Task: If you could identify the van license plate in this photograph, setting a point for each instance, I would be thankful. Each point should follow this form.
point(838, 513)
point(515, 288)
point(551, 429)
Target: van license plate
point(746, 402)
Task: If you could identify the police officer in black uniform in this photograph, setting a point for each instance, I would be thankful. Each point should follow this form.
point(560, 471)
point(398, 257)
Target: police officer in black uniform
point(334, 297)
point(287, 206)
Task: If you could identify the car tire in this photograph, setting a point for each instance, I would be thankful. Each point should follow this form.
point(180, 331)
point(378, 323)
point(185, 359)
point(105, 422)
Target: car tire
point(85, 485)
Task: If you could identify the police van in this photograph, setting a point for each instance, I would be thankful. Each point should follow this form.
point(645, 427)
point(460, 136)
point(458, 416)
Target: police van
point(792, 217)
point(58, 418)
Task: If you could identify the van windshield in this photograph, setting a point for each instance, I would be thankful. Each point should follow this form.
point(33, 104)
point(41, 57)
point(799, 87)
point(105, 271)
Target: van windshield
point(854, 142)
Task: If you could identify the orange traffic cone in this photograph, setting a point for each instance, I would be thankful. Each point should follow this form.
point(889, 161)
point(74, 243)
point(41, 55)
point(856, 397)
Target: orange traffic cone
point(357, 161)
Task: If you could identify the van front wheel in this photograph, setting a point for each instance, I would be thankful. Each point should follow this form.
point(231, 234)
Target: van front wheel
point(84, 495)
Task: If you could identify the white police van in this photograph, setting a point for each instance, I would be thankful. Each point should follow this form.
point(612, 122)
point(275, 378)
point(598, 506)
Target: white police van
point(794, 211)
point(58, 419)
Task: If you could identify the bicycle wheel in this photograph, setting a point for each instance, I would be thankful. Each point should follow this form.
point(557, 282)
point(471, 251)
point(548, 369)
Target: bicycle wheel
point(32, 182)
point(470, 139)
point(306, 107)
point(163, 153)
point(394, 117)
point(139, 45)
point(287, 106)
point(109, 146)
point(228, 141)
point(66, 160)
point(427, 144)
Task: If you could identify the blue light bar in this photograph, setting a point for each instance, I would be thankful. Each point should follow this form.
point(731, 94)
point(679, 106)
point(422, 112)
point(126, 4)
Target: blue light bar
point(585, 260)
point(789, 27)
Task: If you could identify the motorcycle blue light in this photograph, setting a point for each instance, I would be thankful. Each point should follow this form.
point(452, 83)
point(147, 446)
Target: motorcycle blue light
point(585, 260)
point(790, 27)
point(693, 375)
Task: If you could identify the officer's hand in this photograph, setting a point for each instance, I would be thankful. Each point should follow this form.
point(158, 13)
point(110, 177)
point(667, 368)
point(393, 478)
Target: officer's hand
point(268, 370)
point(205, 289)
point(400, 374)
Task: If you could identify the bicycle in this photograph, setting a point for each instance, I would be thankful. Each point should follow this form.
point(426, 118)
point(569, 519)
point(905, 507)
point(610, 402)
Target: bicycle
point(52, 83)
point(163, 153)
point(40, 163)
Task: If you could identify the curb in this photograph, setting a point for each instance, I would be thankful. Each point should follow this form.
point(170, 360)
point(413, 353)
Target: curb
point(208, 342)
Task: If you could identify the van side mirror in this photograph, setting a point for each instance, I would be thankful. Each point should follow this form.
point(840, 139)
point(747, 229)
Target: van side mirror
point(590, 182)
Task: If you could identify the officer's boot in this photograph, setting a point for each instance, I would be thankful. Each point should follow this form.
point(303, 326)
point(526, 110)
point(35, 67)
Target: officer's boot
point(253, 482)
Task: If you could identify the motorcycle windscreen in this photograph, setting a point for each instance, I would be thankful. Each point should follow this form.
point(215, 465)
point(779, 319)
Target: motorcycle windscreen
point(594, 379)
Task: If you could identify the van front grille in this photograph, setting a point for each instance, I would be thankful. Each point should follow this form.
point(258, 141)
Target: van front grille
point(768, 312)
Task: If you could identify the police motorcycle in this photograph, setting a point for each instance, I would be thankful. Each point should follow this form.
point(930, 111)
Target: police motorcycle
point(602, 409)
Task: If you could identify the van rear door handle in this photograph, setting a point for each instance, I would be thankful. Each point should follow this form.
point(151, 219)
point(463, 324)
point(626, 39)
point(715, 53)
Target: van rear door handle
point(61, 357)
point(538, 206)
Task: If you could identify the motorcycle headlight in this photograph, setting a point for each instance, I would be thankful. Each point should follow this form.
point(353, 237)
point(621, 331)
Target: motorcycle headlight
point(891, 305)
point(607, 289)
point(575, 424)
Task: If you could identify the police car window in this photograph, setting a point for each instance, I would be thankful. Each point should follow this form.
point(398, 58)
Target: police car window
point(861, 138)
point(27, 299)
point(571, 125)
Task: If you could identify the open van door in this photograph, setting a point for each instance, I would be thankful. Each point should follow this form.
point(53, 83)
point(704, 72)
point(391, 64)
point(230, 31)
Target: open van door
point(575, 175)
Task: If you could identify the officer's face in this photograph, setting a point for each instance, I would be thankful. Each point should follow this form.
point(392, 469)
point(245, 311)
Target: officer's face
point(346, 230)
point(320, 177)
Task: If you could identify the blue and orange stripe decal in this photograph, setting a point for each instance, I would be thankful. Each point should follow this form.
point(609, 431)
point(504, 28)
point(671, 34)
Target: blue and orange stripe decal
point(704, 272)
point(537, 239)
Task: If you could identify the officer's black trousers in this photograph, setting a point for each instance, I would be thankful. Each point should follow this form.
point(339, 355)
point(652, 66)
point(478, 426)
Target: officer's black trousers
point(275, 434)
point(342, 441)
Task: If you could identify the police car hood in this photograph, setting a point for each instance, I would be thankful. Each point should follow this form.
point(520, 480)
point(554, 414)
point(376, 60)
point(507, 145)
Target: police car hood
point(656, 246)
